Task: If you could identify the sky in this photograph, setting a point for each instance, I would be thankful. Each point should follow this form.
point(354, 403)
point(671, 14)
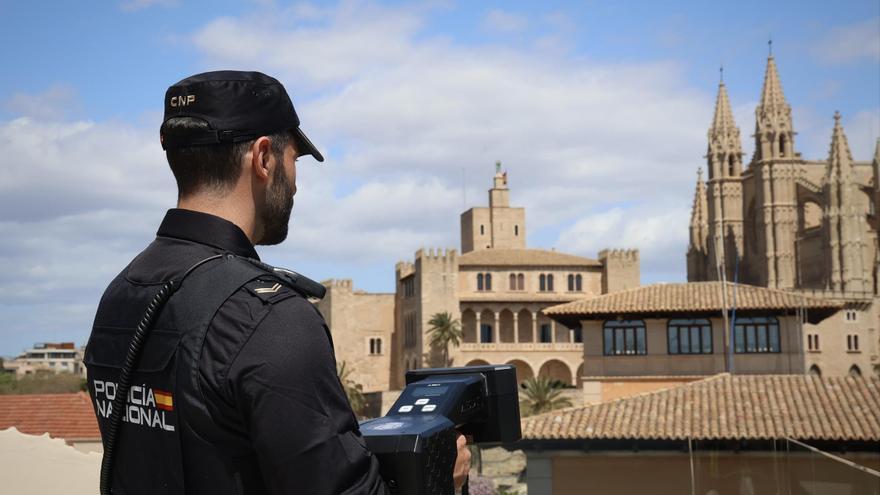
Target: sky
point(598, 111)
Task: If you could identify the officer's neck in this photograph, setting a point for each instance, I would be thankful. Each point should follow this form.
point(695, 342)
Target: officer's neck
point(241, 213)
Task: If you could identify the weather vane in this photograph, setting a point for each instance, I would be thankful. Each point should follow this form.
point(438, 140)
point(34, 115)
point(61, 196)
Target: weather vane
point(770, 45)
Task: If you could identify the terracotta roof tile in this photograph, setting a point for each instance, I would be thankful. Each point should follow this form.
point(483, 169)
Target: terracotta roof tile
point(67, 416)
point(725, 407)
point(523, 257)
point(692, 296)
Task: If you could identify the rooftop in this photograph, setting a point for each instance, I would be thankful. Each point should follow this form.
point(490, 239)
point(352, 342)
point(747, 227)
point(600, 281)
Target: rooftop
point(693, 297)
point(67, 416)
point(727, 407)
point(523, 257)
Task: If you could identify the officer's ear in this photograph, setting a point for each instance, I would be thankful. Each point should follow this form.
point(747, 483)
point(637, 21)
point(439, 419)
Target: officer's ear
point(262, 159)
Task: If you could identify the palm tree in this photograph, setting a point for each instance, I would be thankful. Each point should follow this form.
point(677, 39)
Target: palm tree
point(542, 395)
point(353, 390)
point(444, 330)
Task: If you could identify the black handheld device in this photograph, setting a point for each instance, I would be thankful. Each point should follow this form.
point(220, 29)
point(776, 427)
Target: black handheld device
point(415, 440)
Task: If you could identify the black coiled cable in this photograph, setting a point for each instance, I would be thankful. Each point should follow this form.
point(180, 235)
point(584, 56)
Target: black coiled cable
point(135, 346)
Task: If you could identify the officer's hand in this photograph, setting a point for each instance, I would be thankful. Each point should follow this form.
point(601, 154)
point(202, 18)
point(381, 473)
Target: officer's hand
point(462, 462)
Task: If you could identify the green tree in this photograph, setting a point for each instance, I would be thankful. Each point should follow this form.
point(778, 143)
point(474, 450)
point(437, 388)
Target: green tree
point(40, 383)
point(542, 395)
point(444, 330)
point(353, 390)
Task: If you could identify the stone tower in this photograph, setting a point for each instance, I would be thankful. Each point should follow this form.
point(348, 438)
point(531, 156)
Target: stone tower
point(843, 223)
point(775, 169)
point(697, 256)
point(724, 190)
point(499, 226)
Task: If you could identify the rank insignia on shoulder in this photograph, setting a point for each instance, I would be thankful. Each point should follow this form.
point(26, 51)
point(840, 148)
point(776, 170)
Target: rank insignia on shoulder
point(268, 290)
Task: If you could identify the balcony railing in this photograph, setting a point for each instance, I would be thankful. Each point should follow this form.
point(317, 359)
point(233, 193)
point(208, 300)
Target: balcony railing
point(522, 346)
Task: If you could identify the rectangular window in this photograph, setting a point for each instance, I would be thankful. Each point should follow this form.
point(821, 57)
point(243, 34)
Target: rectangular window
point(578, 334)
point(852, 343)
point(707, 339)
point(689, 336)
point(375, 346)
point(756, 335)
point(624, 338)
point(545, 333)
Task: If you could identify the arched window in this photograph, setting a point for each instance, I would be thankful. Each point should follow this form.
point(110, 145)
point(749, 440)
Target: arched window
point(782, 143)
point(520, 282)
point(815, 371)
point(488, 281)
point(550, 282)
point(578, 283)
point(479, 281)
point(689, 336)
point(542, 282)
point(485, 333)
point(731, 165)
point(758, 334)
point(512, 281)
point(855, 372)
point(570, 282)
point(624, 338)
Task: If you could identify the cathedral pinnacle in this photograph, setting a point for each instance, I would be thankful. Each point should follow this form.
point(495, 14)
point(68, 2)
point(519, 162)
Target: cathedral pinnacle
point(840, 158)
point(772, 97)
point(699, 212)
point(723, 121)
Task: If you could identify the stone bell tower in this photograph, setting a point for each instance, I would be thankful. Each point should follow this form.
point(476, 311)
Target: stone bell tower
point(724, 191)
point(497, 227)
point(775, 169)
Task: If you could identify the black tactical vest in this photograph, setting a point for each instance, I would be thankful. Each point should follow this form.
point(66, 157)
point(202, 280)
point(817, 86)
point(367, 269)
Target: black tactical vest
point(164, 401)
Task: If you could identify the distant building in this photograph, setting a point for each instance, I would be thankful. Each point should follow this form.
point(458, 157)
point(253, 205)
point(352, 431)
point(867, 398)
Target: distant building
point(362, 325)
point(787, 222)
point(497, 288)
point(61, 357)
point(724, 434)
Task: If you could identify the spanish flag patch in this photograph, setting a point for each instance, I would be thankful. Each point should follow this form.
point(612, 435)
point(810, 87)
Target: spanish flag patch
point(164, 400)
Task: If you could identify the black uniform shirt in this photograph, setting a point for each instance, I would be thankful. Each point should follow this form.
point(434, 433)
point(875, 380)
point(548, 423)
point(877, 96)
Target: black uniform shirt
point(267, 374)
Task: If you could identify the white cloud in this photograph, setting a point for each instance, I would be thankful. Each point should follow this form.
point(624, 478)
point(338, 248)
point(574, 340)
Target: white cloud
point(657, 233)
point(56, 102)
point(851, 43)
point(505, 22)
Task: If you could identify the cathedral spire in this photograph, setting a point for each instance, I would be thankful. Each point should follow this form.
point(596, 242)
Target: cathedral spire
point(723, 120)
point(845, 225)
point(697, 255)
point(772, 97)
point(725, 148)
point(840, 166)
point(774, 132)
point(699, 220)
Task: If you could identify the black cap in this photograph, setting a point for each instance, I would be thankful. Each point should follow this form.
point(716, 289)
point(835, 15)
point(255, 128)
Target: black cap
point(238, 106)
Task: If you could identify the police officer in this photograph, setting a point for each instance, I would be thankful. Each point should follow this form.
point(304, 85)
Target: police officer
point(233, 386)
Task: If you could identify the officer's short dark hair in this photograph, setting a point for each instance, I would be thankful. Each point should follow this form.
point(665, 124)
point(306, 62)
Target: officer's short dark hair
point(216, 166)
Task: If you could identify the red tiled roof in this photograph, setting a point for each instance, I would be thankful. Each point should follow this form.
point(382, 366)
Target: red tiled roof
point(726, 407)
point(691, 296)
point(67, 416)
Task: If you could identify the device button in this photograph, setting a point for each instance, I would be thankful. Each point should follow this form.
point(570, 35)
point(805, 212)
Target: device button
point(429, 408)
point(405, 409)
point(422, 402)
